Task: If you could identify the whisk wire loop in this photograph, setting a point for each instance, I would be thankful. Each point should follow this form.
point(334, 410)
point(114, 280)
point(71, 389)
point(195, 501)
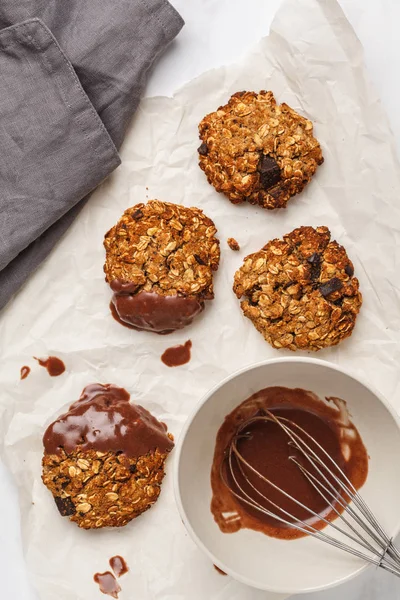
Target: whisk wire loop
point(331, 483)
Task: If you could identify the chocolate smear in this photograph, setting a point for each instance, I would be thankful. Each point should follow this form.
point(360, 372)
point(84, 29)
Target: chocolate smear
point(108, 584)
point(118, 565)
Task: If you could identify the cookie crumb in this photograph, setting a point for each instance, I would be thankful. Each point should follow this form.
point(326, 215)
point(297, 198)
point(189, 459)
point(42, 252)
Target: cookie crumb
point(233, 244)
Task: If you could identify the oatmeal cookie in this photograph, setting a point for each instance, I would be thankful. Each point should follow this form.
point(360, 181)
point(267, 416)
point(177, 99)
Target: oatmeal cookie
point(160, 259)
point(104, 459)
point(300, 292)
point(257, 151)
point(103, 489)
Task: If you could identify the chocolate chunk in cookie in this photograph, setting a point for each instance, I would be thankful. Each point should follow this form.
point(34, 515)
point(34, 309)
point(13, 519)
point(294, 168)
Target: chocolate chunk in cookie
point(270, 172)
point(160, 259)
point(65, 506)
point(254, 150)
point(299, 292)
point(315, 262)
point(202, 149)
point(333, 285)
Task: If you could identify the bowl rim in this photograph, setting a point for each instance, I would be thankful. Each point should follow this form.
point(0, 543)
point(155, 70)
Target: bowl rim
point(178, 452)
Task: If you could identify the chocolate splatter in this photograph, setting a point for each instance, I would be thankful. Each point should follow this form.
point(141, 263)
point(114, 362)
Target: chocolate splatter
point(118, 565)
point(107, 584)
point(25, 372)
point(177, 355)
point(54, 365)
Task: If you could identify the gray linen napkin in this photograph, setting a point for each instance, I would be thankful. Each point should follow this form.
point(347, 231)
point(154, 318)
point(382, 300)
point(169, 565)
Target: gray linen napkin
point(72, 74)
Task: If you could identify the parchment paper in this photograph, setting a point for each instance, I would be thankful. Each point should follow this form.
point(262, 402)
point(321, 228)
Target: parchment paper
point(313, 61)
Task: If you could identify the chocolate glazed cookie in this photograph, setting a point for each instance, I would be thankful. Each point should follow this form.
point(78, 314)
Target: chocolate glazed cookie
point(160, 259)
point(104, 458)
point(300, 292)
point(256, 151)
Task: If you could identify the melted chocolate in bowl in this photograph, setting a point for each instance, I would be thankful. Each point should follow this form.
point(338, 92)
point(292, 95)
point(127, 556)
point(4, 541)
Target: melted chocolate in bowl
point(103, 419)
point(149, 311)
point(265, 446)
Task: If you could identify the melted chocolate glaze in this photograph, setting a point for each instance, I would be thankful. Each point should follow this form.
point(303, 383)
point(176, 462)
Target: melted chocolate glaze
point(118, 565)
point(107, 584)
point(103, 419)
point(149, 311)
point(115, 315)
point(54, 365)
point(123, 287)
point(265, 447)
point(25, 372)
point(177, 355)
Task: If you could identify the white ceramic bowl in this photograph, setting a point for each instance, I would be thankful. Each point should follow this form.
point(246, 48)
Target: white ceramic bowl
point(286, 566)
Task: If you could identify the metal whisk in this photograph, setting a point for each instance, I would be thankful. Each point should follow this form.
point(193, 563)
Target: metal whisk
point(371, 543)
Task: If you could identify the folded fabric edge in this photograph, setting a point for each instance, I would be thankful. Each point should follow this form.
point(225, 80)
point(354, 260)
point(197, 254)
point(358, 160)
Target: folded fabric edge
point(167, 16)
point(101, 153)
point(16, 273)
point(97, 119)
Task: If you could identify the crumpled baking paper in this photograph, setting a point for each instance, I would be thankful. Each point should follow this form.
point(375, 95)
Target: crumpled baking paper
point(313, 61)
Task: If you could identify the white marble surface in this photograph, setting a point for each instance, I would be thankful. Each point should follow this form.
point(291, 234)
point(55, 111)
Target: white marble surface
point(218, 32)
